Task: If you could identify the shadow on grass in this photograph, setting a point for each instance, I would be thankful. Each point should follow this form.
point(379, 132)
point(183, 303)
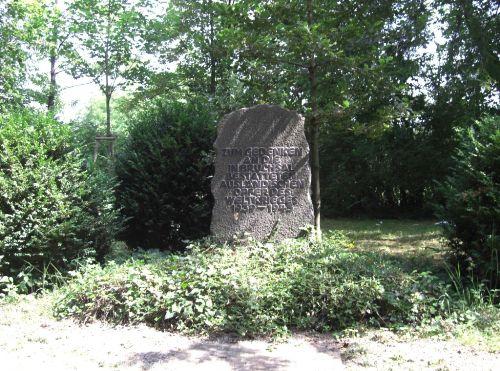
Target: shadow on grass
point(412, 245)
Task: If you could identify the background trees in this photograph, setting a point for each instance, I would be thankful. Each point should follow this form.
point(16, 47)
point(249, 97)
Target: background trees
point(335, 62)
point(383, 107)
point(17, 30)
point(108, 33)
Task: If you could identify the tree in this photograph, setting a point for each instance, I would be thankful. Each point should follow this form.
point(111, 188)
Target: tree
point(467, 78)
point(109, 35)
point(192, 34)
point(329, 60)
point(461, 85)
point(482, 22)
point(56, 44)
point(51, 43)
point(17, 32)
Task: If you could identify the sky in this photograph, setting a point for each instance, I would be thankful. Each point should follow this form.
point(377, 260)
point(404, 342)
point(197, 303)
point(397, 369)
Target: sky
point(76, 96)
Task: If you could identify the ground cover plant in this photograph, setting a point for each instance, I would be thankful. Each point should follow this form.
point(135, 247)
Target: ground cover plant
point(455, 328)
point(255, 289)
point(420, 245)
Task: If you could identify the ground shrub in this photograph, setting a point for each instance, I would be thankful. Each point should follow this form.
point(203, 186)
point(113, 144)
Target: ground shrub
point(164, 172)
point(53, 212)
point(471, 211)
point(253, 289)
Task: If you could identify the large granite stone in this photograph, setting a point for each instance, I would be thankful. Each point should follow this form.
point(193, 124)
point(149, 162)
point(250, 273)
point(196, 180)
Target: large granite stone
point(262, 175)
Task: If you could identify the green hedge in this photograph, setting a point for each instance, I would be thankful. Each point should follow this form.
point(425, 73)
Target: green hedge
point(164, 173)
point(53, 212)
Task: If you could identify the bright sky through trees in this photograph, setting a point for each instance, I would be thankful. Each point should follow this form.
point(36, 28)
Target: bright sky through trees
point(77, 94)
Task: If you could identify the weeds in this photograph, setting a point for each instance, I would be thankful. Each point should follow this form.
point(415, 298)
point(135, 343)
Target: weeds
point(254, 289)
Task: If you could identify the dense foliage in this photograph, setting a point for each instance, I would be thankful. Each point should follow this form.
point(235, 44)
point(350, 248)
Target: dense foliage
point(366, 73)
point(471, 206)
point(384, 174)
point(384, 86)
point(53, 212)
point(254, 289)
point(164, 173)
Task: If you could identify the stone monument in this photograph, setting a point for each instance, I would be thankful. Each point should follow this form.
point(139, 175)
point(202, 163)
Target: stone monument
point(262, 175)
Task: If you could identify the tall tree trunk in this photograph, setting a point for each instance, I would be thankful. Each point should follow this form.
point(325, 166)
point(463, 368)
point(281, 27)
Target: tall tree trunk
point(108, 114)
point(314, 127)
point(51, 99)
point(53, 51)
point(108, 88)
point(315, 176)
point(212, 56)
point(107, 72)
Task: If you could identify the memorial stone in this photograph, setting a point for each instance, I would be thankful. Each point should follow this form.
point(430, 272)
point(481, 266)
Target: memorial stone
point(262, 175)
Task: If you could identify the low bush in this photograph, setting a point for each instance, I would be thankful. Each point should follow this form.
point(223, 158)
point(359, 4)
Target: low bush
point(164, 173)
point(253, 289)
point(53, 213)
point(471, 208)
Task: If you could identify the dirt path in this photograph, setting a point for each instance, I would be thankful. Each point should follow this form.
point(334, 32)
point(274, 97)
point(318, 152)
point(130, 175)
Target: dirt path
point(383, 350)
point(31, 340)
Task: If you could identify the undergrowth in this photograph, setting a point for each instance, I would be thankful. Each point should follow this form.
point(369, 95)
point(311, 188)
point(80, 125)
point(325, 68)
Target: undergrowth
point(255, 289)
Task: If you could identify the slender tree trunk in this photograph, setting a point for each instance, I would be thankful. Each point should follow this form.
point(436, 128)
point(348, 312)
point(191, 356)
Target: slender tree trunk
point(108, 114)
point(212, 56)
point(106, 72)
point(315, 177)
point(108, 88)
point(51, 99)
point(314, 127)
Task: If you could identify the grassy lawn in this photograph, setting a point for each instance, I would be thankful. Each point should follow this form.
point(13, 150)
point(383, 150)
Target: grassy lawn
point(419, 245)
point(416, 243)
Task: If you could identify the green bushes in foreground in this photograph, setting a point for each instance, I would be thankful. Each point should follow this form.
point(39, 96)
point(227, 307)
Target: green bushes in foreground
point(471, 204)
point(53, 212)
point(253, 289)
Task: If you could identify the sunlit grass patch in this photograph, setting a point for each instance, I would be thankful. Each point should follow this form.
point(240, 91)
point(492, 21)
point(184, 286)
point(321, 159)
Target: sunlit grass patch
point(419, 243)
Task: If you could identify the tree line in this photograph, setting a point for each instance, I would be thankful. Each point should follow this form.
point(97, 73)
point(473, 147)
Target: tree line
point(381, 109)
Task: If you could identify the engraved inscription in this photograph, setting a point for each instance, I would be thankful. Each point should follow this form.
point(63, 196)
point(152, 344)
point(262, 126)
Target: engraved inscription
point(262, 178)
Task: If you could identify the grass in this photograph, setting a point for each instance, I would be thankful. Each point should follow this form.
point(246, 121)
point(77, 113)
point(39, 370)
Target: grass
point(418, 244)
point(415, 246)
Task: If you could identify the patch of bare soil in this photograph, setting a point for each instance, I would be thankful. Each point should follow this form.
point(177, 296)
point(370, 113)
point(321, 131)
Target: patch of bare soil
point(383, 350)
point(30, 339)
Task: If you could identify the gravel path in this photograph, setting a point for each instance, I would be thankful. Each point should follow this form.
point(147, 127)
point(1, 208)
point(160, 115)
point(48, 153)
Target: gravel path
point(31, 340)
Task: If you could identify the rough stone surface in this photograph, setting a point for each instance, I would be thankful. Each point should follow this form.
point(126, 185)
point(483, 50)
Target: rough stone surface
point(262, 175)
